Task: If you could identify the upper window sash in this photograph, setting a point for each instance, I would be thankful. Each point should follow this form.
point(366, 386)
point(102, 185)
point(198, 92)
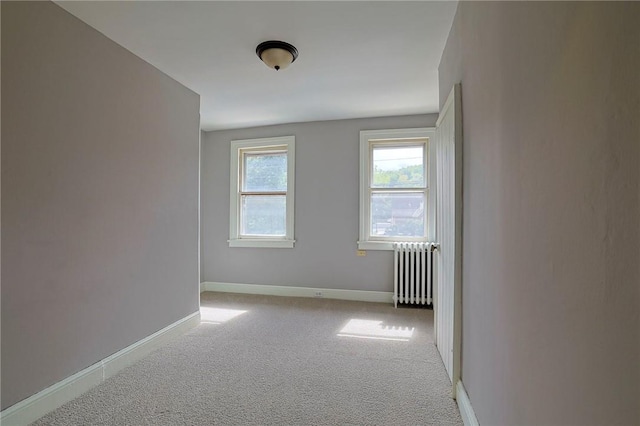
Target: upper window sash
point(259, 152)
point(396, 144)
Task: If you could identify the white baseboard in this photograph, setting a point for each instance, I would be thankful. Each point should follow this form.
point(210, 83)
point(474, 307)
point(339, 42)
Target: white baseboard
point(47, 400)
point(279, 290)
point(466, 410)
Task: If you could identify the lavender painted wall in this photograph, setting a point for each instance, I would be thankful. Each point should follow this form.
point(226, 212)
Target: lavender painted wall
point(551, 285)
point(326, 211)
point(99, 198)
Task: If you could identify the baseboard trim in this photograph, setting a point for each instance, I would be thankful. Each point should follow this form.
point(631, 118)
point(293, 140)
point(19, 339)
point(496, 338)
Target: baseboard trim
point(47, 400)
point(278, 290)
point(466, 410)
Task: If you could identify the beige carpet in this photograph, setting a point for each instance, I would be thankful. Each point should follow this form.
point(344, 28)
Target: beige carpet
point(258, 360)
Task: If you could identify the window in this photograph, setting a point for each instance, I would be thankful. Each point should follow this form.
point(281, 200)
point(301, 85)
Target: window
point(395, 201)
point(261, 193)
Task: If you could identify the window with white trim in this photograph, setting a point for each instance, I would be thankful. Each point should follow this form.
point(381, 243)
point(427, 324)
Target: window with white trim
point(396, 203)
point(262, 192)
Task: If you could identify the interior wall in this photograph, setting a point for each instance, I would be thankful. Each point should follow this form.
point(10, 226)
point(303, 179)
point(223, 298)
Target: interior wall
point(99, 198)
point(551, 286)
point(326, 210)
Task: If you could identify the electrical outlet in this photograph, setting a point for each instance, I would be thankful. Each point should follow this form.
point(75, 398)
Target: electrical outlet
point(361, 253)
point(317, 294)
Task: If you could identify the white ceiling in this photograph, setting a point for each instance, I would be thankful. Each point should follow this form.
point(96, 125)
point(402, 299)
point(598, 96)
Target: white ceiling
point(357, 59)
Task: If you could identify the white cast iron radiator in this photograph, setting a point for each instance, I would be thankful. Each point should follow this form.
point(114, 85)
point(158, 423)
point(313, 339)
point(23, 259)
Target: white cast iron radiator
point(413, 273)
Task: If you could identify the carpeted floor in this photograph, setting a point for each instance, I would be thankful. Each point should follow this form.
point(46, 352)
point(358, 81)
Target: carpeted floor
point(260, 360)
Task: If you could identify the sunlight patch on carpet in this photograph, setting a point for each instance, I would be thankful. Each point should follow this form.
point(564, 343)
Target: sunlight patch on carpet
point(375, 330)
point(218, 315)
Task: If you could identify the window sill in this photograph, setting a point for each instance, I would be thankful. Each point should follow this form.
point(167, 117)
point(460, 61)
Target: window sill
point(261, 243)
point(375, 245)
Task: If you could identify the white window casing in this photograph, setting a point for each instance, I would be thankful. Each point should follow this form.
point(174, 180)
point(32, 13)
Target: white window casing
point(395, 138)
point(258, 147)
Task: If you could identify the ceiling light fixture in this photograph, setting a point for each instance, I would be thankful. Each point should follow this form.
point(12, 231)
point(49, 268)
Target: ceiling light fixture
point(276, 54)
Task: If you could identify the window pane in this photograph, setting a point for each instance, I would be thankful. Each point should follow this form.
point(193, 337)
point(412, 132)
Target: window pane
point(398, 167)
point(265, 172)
point(397, 215)
point(264, 215)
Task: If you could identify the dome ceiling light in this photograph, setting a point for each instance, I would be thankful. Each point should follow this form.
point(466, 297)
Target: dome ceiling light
point(276, 54)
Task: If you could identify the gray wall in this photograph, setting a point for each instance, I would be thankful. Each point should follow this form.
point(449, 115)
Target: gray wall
point(99, 198)
point(326, 210)
point(551, 104)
